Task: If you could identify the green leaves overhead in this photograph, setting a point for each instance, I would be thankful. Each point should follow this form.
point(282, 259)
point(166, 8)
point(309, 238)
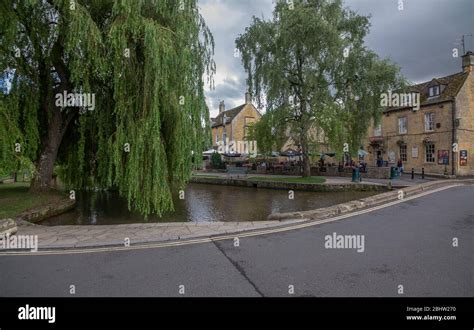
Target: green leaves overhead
point(144, 61)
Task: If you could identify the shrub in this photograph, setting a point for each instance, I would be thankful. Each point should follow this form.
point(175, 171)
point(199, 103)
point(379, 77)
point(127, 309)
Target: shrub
point(216, 160)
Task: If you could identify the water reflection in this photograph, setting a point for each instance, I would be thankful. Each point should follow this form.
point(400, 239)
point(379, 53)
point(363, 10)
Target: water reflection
point(202, 203)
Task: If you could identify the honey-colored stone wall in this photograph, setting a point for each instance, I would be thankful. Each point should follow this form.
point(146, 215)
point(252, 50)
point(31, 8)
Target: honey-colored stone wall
point(441, 136)
point(236, 129)
point(465, 130)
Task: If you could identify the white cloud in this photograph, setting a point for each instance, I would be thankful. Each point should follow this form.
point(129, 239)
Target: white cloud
point(227, 19)
point(221, 14)
point(419, 38)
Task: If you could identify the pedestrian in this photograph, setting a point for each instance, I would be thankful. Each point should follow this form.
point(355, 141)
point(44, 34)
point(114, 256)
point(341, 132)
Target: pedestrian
point(400, 166)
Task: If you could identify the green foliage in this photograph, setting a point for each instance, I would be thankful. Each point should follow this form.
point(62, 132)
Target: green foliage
point(297, 67)
point(16, 132)
point(269, 132)
point(143, 60)
point(216, 160)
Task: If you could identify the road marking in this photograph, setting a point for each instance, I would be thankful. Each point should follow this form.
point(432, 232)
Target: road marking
point(226, 237)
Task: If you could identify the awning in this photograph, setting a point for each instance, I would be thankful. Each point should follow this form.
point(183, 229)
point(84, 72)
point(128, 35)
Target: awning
point(209, 152)
point(291, 153)
point(376, 140)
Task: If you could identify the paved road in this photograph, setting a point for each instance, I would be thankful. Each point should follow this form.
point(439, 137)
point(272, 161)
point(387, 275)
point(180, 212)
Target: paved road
point(408, 244)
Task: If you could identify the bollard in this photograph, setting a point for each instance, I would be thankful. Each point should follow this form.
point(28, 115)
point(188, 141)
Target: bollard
point(412, 173)
point(422, 172)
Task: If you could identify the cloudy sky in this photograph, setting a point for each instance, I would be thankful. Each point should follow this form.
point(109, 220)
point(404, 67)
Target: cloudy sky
point(419, 38)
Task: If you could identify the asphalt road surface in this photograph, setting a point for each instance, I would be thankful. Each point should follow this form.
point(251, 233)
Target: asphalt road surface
point(408, 244)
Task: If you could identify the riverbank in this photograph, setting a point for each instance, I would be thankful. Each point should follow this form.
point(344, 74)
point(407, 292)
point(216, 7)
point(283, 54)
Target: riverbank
point(143, 235)
point(16, 202)
point(281, 182)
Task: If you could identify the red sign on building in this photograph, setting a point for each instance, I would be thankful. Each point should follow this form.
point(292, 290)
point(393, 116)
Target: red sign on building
point(463, 158)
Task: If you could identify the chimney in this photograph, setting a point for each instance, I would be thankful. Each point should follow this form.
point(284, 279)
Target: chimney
point(468, 62)
point(248, 98)
point(221, 107)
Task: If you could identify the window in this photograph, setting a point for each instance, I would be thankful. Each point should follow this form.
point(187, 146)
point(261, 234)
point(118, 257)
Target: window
point(224, 137)
point(403, 152)
point(429, 121)
point(378, 130)
point(433, 91)
point(402, 125)
point(430, 153)
point(217, 137)
point(248, 121)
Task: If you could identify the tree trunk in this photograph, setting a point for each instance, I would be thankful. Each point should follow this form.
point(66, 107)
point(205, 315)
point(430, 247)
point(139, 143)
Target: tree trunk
point(57, 124)
point(45, 165)
point(305, 152)
point(306, 163)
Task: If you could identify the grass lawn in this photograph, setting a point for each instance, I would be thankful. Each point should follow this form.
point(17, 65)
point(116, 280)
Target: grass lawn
point(205, 176)
point(311, 179)
point(15, 199)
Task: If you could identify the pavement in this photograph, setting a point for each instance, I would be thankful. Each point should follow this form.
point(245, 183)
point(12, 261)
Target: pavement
point(90, 236)
point(409, 244)
point(403, 181)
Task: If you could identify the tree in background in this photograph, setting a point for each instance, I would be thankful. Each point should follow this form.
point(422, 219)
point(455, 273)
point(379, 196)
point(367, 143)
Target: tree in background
point(143, 60)
point(309, 68)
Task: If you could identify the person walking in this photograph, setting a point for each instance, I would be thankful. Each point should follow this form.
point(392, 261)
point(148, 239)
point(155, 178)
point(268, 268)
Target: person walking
point(400, 166)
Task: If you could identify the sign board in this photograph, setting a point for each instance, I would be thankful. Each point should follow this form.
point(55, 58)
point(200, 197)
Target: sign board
point(414, 152)
point(391, 156)
point(443, 157)
point(463, 157)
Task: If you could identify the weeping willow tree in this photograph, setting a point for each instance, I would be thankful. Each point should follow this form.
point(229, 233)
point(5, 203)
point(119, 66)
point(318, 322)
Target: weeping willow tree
point(13, 157)
point(308, 64)
point(142, 62)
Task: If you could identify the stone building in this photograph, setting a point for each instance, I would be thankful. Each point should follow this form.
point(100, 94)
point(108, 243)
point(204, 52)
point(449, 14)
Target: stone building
point(239, 119)
point(233, 125)
point(439, 136)
point(317, 145)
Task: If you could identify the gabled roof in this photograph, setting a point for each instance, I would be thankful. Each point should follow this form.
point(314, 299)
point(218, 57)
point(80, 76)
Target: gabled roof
point(452, 82)
point(434, 82)
point(230, 114)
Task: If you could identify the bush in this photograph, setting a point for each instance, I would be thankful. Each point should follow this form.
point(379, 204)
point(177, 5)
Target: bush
point(216, 160)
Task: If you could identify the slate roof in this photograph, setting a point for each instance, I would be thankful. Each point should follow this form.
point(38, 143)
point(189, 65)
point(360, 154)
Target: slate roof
point(453, 84)
point(230, 114)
